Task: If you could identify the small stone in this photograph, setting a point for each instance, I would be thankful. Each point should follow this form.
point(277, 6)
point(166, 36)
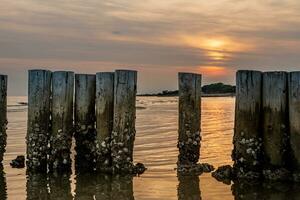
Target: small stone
point(19, 162)
point(224, 174)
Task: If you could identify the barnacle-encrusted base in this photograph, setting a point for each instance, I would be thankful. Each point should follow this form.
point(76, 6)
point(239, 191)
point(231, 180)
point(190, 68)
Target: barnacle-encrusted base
point(37, 147)
point(102, 154)
point(247, 156)
point(122, 151)
point(85, 144)
point(189, 148)
point(3, 137)
point(60, 144)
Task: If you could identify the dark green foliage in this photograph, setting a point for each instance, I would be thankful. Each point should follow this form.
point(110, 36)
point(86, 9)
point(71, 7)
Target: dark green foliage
point(214, 88)
point(218, 88)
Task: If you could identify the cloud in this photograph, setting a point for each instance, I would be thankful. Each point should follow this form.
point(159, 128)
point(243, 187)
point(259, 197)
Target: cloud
point(156, 37)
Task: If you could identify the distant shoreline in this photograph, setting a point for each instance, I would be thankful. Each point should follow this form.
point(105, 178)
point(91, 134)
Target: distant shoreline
point(203, 95)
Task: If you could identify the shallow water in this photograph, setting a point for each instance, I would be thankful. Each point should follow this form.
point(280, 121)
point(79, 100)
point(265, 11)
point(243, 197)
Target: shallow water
point(155, 146)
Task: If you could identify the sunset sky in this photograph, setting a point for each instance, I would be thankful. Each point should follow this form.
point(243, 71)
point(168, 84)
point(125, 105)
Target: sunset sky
point(156, 37)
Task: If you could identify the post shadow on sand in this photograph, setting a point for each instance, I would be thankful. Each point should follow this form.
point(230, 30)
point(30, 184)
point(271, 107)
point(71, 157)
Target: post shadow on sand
point(249, 190)
point(43, 186)
point(103, 187)
point(188, 188)
point(3, 187)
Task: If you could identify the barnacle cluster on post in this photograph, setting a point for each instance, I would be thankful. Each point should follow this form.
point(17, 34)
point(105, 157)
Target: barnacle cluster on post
point(37, 140)
point(247, 157)
point(60, 150)
point(121, 152)
point(102, 154)
point(189, 148)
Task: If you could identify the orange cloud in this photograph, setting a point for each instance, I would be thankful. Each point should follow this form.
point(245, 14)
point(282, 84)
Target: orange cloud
point(217, 43)
point(213, 71)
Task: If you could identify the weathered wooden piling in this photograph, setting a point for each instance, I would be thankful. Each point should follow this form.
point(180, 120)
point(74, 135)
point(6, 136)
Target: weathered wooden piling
point(3, 185)
point(123, 135)
point(275, 118)
point(247, 138)
point(189, 118)
point(3, 115)
point(62, 120)
point(294, 118)
point(93, 186)
point(104, 118)
point(243, 189)
point(189, 188)
point(60, 186)
point(36, 186)
point(84, 114)
point(122, 187)
point(38, 126)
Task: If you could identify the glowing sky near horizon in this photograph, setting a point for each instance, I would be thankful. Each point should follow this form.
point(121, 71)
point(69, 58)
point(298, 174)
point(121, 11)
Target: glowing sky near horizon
point(157, 38)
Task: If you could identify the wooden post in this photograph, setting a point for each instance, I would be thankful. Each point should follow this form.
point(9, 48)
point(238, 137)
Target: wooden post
point(123, 134)
point(294, 117)
point(93, 186)
point(60, 186)
point(3, 185)
point(84, 120)
point(244, 189)
point(104, 118)
point(188, 188)
point(39, 92)
point(36, 186)
point(247, 138)
point(3, 115)
point(189, 118)
point(275, 118)
point(122, 187)
point(62, 120)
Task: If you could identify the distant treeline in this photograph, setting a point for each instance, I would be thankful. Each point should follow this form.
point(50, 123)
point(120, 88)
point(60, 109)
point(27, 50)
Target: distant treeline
point(210, 90)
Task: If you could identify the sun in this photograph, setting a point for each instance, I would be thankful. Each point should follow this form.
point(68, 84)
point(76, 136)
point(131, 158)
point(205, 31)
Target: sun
point(214, 44)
